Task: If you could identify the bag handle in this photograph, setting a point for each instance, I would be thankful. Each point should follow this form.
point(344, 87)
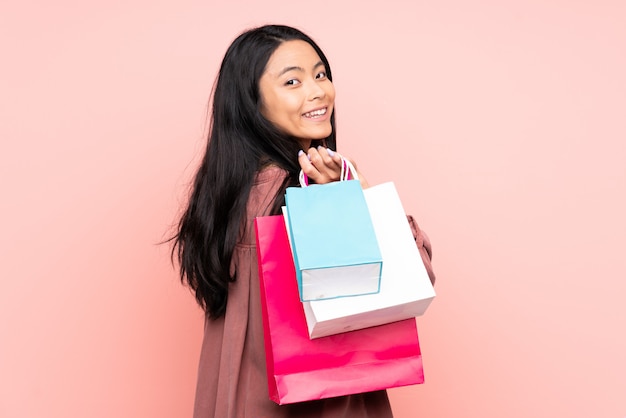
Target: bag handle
point(348, 172)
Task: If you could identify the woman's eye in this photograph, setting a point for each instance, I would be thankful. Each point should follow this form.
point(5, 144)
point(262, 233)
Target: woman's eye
point(292, 82)
point(321, 74)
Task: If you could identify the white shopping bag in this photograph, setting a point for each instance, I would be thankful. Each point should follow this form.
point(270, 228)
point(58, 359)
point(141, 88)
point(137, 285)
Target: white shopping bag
point(405, 288)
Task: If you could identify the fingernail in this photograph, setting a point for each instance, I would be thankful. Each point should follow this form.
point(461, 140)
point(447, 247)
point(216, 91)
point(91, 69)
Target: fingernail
point(300, 153)
point(330, 152)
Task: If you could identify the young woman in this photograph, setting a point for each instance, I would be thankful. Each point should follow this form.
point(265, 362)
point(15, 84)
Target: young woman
point(273, 115)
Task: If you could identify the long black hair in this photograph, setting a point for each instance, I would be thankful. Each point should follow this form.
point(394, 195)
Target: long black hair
point(240, 142)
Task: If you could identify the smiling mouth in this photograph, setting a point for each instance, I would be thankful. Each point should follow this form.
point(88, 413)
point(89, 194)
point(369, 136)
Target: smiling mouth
point(316, 113)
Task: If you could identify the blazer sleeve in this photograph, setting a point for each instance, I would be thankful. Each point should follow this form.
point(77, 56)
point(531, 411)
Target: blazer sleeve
point(424, 247)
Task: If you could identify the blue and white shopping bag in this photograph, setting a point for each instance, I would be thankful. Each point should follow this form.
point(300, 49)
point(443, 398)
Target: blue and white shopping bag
point(335, 249)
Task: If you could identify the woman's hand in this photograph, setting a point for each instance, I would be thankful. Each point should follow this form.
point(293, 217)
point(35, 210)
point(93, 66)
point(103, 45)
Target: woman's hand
point(322, 165)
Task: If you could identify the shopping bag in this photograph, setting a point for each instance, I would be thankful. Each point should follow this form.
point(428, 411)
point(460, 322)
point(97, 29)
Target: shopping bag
point(334, 246)
point(405, 291)
point(300, 369)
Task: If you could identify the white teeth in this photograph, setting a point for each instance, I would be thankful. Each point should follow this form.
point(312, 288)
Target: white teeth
point(315, 113)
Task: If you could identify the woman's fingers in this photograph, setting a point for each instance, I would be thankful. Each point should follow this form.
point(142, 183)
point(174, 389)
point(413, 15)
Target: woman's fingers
point(323, 165)
point(320, 164)
point(306, 165)
point(329, 157)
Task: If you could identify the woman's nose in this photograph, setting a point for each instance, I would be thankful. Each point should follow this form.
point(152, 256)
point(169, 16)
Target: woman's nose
point(316, 91)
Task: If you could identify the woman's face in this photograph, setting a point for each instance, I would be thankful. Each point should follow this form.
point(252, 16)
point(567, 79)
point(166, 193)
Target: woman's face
point(296, 95)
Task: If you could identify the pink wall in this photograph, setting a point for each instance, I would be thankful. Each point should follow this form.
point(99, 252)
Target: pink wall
point(502, 125)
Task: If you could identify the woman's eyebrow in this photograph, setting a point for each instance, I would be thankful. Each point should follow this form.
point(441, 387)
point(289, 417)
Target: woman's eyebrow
point(287, 69)
point(296, 68)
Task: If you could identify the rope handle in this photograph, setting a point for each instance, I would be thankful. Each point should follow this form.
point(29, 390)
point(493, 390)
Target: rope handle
point(348, 172)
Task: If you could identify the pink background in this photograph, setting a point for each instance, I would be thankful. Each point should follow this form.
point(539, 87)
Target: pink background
point(502, 124)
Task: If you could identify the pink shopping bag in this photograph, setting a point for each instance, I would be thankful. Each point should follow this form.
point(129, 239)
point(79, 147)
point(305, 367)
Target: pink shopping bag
point(300, 369)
